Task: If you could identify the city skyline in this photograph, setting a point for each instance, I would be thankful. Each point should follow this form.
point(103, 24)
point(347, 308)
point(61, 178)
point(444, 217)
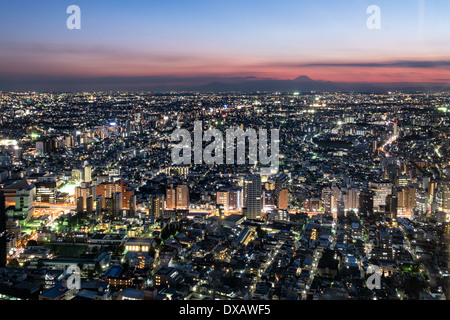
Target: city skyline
point(359, 208)
point(175, 44)
point(222, 152)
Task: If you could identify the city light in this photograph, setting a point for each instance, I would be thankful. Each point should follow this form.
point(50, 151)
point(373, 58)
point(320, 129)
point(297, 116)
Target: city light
point(179, 156)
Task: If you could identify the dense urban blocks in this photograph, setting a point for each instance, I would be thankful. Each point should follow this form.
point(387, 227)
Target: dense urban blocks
point(96, 208)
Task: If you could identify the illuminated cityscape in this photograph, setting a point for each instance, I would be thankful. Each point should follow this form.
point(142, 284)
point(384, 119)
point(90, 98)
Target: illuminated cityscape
point(88, 180)
point(228, 152)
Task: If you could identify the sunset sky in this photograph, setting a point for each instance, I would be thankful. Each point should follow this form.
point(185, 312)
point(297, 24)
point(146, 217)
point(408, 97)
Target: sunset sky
point(170, 42)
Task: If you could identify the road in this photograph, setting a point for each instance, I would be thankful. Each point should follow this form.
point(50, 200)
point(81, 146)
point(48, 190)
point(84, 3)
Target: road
point(33, 236)
point(387, 143)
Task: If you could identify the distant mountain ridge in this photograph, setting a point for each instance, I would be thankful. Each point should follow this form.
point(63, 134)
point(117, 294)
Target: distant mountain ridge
point(301, 84)
point(304, 83)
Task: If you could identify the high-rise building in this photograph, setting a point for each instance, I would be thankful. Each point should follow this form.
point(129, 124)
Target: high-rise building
point(14, 231)
point(445, 198)
point(268, 199)
point(157, 205)
point(117, 203)
point(421, 201)
point(80, 205)
point(406, 200)
point(230, 199)
point(432, 190)
point(84, 191)
point(283, 199)
point(24, 202)
point(331, 197)
point(381, 190)
point(244, 194)
point(10, 191)
point(109, 205)
point(366, 202)
point(392, 205)
point(254, 200)
point(98, 205)
point(87, 174)
point(396, 130)
point(235, 199)
point(68, 141)
point(182, 202)
point(90, 205)
point(133, 205)
point(46, 189)
point(178, 197)
point(107, 189)
point(223, 198)
point(336, 198)
point(326, 199)
point(351, 199)
point(171, 198)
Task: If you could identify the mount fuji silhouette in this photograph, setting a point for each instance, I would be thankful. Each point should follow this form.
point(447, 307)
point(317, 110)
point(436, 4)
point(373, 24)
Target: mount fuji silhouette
point(304, 83)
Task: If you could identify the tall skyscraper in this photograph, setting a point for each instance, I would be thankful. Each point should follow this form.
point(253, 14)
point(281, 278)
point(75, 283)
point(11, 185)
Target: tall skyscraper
point(109, 205)
point(171, 198)
point(80, 206)
point(98, 205)
point(336, 199)
point(445, 198)
point(178, 198)
point(84, 191)
point(87, 174)
point(396, 131)
point(133, 205)
point(366, 202)
point(351, 199)
point(406, 200)
point(107, 189)
point(326, 199)
point(182, 197)
point(283, 199)
point(392, 205)
point(381, 190)
point(235, 199)
point(254, 200)
point(90, 205)
point(156, 204)
point(421, 201)
point(117, 203)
